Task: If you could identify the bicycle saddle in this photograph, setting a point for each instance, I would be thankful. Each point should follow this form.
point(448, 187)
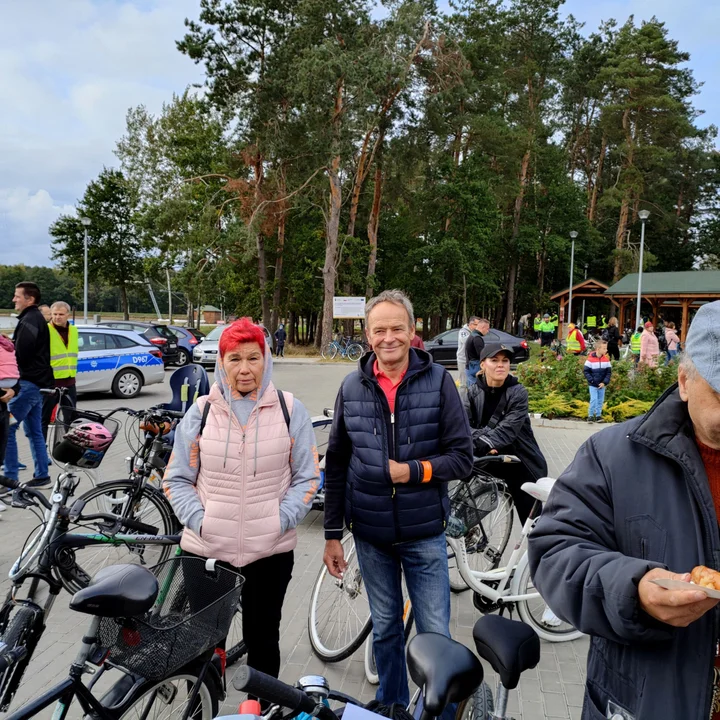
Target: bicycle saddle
point(117, 591)
point(446, 671)
point(510, 646)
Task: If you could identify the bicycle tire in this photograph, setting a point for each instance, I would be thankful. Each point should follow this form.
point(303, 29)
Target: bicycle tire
point(141, 703)
point(354, 626)
point(530, 612)
point(354, 352)
point(330, 351)
point(479, 706)
point(371, 673)
point(75, 573)
point(16, 635)
point(483, 555)
point(235, 644)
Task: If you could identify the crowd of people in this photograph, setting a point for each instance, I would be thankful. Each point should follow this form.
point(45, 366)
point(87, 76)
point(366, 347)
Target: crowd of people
point(640, 502)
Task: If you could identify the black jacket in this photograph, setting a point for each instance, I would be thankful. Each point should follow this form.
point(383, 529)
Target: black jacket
point(429, 424)
point(280, 336)
point(32, 348)
point(474, 346)
point(512, 435)
point(635, 497)
point(612, 335)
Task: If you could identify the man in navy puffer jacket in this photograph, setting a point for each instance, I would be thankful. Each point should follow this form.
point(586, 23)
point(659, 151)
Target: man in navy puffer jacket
point(399, 435)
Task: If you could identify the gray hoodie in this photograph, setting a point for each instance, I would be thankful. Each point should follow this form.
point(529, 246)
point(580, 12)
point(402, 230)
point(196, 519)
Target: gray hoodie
point(182, 470)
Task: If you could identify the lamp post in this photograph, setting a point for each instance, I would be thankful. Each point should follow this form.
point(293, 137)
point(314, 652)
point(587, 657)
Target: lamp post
point(85, 223)
point(582, 315)
point(643, 215)
point(573, 235)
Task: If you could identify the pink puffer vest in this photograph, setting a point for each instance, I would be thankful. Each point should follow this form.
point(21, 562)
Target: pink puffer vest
point(242, 499)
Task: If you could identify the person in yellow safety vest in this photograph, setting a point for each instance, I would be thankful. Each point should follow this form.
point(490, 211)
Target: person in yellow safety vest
point(603, 322)
point(555, 321)
point(63, 359)
point(547, 331)
point(575, 340)
point(635, 342)
point(537, 322)
point(591, 322)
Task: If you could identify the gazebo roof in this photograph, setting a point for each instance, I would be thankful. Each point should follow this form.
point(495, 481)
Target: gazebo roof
point(587, 287)
point(678, 284)
point(210, 308)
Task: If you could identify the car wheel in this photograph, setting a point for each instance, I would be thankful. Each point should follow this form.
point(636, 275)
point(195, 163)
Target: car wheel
point(182, 359)
point(127, 384)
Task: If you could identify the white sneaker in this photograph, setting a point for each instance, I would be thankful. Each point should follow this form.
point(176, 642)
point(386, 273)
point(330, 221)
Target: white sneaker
point(550, 619)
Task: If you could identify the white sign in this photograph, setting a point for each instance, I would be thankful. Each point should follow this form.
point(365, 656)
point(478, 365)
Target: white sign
point(348, 307)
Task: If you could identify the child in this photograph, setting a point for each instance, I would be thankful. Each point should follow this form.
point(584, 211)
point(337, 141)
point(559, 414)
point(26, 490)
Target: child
point(597, 371)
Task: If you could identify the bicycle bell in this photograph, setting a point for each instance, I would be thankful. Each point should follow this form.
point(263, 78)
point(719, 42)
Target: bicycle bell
point(314, 685)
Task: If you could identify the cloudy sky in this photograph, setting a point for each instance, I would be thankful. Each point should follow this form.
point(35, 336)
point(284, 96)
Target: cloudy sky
point(70, 69)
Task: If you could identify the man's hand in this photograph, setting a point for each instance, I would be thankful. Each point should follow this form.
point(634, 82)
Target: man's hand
point(492, 452)
point(8, 395)
point(399, 472)
point(601, 386)
point(334, 558)
point(678, 608)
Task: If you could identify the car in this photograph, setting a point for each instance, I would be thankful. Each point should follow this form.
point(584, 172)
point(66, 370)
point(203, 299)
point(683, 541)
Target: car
point(159, 335)
point(187, 339)
point(205, 352)
point(443, 347)
point(118, 361)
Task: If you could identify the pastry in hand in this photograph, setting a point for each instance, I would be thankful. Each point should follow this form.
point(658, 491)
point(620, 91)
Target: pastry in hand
point(705, 577)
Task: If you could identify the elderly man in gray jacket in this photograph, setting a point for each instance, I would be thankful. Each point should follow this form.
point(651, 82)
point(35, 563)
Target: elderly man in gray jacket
point(640, 504)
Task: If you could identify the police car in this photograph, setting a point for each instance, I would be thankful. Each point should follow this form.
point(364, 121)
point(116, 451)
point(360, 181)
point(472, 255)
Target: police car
point(116, 361)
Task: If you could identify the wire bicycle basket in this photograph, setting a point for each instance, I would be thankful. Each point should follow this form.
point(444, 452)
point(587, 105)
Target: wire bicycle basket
point(70, 450)
point(192, 615)
point(470, 503)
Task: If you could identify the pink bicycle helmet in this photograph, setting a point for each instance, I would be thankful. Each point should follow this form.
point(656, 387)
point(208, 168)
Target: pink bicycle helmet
point(91, 435)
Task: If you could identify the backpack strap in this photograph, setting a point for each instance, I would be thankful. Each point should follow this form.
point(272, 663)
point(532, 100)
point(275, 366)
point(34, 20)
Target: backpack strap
point(203, 420)
point(284, 408)
point(499, 410)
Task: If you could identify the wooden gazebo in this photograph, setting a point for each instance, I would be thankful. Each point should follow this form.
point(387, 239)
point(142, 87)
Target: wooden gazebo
point(589, 288)
point(686, 290)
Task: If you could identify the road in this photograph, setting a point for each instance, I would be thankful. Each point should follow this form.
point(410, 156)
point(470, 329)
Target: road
point(553, 690)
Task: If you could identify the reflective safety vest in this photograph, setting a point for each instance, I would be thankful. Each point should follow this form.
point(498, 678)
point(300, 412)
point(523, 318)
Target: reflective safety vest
point(603, 323)
point(537, 322)
point(591, 321)
point(63, 360)
point(554, 320)
point(547, 327)
point(573, 344)
point(635, 342)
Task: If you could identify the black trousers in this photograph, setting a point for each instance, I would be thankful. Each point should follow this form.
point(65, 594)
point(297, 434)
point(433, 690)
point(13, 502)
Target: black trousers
point(514, 476)
point(613, 351)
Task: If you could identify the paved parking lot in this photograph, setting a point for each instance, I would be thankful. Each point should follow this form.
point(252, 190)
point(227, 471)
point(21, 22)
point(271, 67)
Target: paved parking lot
point(553, 690)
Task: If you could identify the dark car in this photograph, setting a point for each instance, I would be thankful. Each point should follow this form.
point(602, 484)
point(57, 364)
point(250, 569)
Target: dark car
point(187, 339)
point(159, 335)
point(443, 347)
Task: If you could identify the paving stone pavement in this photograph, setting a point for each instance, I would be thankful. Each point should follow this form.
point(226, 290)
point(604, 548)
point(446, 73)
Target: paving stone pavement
point(553, 690)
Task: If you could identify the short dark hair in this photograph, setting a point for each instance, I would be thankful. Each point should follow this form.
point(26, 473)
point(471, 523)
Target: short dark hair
point(473, 318)
point(30, 289)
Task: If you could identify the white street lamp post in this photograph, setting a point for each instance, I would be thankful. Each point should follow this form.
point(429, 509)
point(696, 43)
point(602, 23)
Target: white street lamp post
point(86, 223)
point(643, 215)
point(573, 235)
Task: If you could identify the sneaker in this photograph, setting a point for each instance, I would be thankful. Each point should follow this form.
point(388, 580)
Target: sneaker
point(590, 418)
point(38, 482)
point(550, 619)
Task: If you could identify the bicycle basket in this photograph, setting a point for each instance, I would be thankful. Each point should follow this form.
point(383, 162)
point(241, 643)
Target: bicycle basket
point(470, 503)
point(192, 615)
point(82, 452)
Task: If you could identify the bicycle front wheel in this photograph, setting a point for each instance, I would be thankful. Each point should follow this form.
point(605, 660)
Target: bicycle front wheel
point(479, 706)
point(355, 352)
point(371, 671)
point(77, 566)
point(235, 643)
point(171, 698)
point(339, 618)
point(329, 351)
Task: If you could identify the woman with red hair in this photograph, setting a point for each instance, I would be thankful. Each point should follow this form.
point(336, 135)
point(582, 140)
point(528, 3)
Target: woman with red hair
point(243, 474)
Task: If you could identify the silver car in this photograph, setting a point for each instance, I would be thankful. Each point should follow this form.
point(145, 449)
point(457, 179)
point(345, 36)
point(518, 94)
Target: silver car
point(205, 353)
point(116, 361)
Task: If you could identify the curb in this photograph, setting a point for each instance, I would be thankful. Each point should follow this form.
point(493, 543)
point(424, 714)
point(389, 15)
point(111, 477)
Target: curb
point(565, 424)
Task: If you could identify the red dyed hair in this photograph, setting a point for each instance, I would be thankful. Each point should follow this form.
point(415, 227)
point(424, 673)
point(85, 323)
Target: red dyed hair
point(241, 331)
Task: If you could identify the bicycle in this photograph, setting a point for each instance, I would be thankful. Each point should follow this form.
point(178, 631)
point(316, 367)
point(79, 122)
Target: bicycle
point(160, 629)
point(345, 347)
point(322, 424)
point(444, 670)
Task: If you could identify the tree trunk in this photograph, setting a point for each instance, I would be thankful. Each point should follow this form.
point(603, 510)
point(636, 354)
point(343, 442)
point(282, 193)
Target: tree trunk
point(620, 234)
point(372, 228)
point(260, 243)
point(360, 175)
point(278, 265)
point(124, 300)
point(317, 328)
point(291, 328)
point(592, 209)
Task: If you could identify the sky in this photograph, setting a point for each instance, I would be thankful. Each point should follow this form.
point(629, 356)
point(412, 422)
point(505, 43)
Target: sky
point(70, 70)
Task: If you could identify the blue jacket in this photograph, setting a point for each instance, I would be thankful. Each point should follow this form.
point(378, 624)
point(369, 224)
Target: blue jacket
point(597, 369)
point(429, 424)
point(635, 497)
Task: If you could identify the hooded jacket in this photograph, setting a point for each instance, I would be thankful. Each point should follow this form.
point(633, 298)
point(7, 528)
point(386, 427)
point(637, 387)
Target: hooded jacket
point(428, 430)
point(636, 497)
point(242, 487)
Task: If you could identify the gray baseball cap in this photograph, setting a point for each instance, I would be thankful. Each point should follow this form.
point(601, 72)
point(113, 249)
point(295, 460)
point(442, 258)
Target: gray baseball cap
point(703, 343)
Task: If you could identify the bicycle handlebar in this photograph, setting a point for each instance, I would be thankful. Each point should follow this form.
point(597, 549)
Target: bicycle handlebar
point(273, 690)
point(17, 486)
point(490, 459)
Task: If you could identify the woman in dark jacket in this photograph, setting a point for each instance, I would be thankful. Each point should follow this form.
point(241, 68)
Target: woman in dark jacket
point(612, 336)
point(497, 406)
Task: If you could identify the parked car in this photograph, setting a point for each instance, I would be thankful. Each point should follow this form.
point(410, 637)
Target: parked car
point(443, 347)
point(205, 352)
point(159, 335)
point(116, 361)
point(187, 339)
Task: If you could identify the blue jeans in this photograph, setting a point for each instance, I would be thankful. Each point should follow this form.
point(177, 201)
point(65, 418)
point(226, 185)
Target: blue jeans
point(597, 398)
point(425, 566)
point(26, 408)
point(670, 356)
point(472, 369)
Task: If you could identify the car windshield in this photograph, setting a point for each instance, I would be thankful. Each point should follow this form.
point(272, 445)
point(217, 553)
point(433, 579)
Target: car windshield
point(165, 332)
point(215, 333)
